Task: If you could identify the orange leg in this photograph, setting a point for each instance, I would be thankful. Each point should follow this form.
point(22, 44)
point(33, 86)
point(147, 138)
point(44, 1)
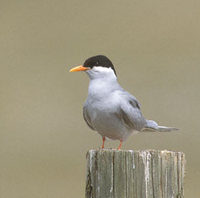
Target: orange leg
point(104, 139)
point(120, 145)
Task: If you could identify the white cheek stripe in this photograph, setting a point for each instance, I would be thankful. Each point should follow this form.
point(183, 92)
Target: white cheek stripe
point(102, 69)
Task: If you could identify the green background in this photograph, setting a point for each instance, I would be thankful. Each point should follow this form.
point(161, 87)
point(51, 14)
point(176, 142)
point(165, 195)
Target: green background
point(154, 46)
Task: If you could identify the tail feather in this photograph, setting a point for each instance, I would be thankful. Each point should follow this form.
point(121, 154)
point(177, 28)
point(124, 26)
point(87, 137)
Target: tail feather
point(153, 126)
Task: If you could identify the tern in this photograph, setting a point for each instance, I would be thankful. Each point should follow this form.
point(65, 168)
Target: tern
point(110, 110)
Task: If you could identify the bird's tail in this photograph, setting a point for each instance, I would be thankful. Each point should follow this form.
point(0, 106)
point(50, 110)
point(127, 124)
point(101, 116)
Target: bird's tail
point(153, 126)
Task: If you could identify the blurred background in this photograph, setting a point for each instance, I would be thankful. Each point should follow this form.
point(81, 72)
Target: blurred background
point(154, 46)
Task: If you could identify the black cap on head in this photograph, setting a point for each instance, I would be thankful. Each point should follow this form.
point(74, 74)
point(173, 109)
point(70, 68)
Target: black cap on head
point(99, 60)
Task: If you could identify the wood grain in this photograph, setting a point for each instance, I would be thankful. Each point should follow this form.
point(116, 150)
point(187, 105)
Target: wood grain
point(134, 174)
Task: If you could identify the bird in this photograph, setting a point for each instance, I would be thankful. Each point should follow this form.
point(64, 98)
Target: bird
point(110, 110)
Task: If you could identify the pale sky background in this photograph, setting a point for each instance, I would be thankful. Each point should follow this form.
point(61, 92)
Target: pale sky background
point(155, 48)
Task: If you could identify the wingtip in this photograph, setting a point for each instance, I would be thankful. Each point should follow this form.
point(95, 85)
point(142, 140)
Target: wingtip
point(167, 129)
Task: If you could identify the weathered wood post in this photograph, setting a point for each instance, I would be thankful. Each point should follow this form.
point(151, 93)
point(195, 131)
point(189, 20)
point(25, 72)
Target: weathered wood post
point(134, 174)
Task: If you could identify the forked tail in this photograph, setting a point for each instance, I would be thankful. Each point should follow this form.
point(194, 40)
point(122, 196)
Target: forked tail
point(153, 126)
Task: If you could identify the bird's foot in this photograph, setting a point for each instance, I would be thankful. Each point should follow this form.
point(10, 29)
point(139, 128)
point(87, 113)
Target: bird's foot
point(120, 145)
point(104, 139)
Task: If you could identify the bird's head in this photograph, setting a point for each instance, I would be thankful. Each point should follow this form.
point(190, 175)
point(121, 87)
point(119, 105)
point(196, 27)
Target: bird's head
point(97, 67)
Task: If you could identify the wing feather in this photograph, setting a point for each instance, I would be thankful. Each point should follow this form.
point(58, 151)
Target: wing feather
point(87, 117)
point(130, 113)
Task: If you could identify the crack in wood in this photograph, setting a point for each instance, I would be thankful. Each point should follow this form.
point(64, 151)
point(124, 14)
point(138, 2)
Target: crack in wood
point(134, 174)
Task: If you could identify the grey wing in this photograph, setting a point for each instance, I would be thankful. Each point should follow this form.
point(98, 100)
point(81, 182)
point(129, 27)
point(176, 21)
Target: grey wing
point(87, 117)
point(132, 100)
point(131, 115)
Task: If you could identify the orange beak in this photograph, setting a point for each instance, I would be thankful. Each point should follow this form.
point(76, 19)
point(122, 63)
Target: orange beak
point(79, 68)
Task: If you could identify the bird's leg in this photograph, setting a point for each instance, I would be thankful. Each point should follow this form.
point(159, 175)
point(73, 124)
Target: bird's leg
point(120, 145)
point(104, 139)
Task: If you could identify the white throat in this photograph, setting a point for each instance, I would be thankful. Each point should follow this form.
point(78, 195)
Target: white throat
point(101, 72)
point(102, 81)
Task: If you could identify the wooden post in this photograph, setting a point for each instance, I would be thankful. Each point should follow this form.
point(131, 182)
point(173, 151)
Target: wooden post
point(134, 174)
